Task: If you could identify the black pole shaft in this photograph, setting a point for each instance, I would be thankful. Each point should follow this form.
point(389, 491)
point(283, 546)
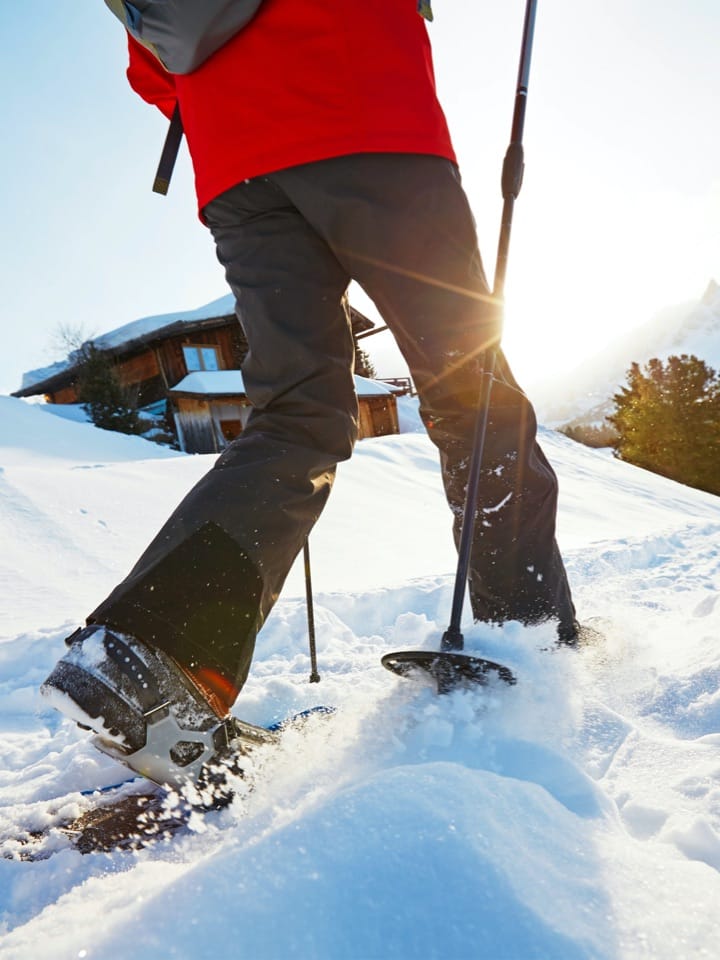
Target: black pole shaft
point(314, 675)
point(453, 638)
point(514, 162)
point(512, 175)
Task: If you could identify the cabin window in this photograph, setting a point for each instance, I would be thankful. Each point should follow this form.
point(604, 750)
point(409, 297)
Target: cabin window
point(201, 358)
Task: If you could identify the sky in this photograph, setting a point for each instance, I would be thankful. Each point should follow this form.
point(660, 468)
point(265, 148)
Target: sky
point(619, 213)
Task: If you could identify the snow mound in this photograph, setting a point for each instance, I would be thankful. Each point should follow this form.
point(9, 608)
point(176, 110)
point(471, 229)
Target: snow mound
point(574, 816)
point(27, 434)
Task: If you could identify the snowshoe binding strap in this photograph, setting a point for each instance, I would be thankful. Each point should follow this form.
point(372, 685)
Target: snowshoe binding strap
point(144, 684)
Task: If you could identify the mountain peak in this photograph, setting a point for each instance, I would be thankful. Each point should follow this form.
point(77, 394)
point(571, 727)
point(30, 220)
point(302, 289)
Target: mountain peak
point(711, 297)
point(585, 394)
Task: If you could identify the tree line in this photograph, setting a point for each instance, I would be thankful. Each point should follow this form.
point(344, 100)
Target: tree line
point(667, 420)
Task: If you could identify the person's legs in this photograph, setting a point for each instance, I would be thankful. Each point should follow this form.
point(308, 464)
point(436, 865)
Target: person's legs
point(157, 668)
point(401, 226)
point(204, 586)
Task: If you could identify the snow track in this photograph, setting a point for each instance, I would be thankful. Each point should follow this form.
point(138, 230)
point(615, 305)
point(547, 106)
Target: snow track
point(575, 816)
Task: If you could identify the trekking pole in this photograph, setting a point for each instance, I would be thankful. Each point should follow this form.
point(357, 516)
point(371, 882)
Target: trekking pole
point(512, 176)
point(314, 675)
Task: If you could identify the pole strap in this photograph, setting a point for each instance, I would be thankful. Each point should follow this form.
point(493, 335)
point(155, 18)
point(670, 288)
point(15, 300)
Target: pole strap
point(169, 153)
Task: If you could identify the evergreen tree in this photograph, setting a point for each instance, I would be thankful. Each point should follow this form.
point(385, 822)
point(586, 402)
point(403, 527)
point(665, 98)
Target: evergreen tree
point(591, 435)
point(668, 420)
point(364, 366)
point(109, 404)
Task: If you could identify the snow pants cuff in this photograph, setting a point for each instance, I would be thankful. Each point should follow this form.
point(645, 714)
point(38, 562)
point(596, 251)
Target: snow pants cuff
point(201, 604)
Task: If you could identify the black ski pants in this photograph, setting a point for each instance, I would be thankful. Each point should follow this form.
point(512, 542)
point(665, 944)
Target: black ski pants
point(290, 243)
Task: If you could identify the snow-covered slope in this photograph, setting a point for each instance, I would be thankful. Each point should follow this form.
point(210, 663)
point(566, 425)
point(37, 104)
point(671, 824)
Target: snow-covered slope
point(584, 395)
point(573, 816)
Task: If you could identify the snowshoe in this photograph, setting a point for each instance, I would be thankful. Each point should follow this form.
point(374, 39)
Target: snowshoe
point(146, 712)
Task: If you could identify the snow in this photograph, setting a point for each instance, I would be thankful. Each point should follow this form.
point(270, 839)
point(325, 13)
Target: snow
point(221, 307)
point(209, 382)
point(371, 388)
point(31, 377)
point(223, 382)
point(573, 816)
point(68, 411)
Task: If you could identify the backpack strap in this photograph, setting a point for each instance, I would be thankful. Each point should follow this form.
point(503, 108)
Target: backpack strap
point(169, 153)
point(424, 8)
point(131, 18)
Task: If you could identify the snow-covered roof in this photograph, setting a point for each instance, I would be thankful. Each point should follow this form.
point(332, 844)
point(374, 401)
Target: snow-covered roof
point(32, 377)
point(227, 382)
point(209, 382)
point(136, 330)
point(145, 326)
point(371, 388)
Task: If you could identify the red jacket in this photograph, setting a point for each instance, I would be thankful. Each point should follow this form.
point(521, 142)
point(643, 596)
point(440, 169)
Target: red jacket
point(305, 80)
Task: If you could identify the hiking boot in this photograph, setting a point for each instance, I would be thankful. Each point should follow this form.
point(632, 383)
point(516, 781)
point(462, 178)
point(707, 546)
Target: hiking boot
point(579, 635)
point(568, 632)
point(145, 711)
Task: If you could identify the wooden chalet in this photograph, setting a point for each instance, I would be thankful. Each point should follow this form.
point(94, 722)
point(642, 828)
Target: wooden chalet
point(211, 409)
point(191, 362)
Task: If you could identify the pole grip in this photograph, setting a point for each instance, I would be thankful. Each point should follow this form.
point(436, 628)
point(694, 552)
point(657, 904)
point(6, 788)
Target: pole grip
point(513, 170)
